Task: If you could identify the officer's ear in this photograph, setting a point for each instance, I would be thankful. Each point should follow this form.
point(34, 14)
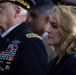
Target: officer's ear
point(18, 11)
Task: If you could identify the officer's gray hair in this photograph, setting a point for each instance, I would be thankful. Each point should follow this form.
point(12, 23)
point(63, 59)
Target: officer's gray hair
point(24, 12)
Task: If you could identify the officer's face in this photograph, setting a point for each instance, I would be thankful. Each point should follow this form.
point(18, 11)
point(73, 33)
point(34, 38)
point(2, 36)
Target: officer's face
point(6, 16)
point(36, 21)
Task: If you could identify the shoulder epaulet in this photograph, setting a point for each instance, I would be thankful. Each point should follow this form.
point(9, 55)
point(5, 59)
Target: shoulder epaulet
point(30, 35)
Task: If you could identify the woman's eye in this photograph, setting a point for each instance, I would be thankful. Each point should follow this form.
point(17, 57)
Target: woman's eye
point(54, 25)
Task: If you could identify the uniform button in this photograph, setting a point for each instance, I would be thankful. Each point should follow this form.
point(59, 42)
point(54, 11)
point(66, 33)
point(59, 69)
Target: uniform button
point(2, 69)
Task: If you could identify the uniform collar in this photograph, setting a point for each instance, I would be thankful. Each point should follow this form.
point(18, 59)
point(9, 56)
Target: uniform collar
point(9, 30)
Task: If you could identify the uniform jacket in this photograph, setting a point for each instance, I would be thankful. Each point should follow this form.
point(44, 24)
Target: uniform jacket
point(66, 66)
point(22, 53)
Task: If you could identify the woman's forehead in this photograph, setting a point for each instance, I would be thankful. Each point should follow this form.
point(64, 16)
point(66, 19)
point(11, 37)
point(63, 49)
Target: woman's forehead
point(53, 17)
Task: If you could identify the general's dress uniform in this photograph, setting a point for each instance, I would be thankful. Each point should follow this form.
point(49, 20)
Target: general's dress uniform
point(22, 52)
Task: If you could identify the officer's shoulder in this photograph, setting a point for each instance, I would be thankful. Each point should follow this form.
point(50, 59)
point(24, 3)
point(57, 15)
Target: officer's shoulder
point(32, 35)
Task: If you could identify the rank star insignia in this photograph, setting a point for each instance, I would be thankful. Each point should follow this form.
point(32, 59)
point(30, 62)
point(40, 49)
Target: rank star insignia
point(33, 36)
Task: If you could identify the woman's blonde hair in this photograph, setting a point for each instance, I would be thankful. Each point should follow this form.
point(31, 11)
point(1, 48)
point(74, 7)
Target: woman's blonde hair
point(66, 20)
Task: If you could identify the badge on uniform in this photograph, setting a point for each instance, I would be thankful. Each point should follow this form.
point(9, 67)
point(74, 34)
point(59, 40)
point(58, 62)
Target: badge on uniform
point(31, 35)
point(7, 66)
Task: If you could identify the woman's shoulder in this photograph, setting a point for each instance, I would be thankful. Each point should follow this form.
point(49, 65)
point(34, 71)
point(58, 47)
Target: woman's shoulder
point(71, 57)
point(70, 64)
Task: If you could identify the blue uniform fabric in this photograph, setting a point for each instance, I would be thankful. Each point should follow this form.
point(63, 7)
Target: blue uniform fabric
point(66, 66)
point(20, 55)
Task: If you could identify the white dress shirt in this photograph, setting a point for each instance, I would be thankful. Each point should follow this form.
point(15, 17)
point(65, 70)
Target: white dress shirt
point(44, 35)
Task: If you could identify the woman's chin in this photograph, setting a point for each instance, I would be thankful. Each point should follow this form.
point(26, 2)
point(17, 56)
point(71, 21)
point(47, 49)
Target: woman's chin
point(50, 44)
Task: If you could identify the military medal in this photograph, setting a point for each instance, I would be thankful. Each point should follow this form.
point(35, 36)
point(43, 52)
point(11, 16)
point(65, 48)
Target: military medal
point(6, 57)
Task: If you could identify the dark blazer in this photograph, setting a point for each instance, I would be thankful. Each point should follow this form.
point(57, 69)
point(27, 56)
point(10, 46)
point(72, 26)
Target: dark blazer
point(22, 53)
point(66, 66)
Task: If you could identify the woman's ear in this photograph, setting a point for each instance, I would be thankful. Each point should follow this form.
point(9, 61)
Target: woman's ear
point(18, 10)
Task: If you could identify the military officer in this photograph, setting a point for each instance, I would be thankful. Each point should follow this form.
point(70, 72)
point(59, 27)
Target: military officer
point(38, 21)
point(21, 51)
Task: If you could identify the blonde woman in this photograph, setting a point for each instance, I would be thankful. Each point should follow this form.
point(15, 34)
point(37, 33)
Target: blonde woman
point(62, 35)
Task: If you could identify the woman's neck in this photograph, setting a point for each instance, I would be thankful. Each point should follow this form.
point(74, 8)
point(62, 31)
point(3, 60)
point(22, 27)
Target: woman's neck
point(58, 50)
